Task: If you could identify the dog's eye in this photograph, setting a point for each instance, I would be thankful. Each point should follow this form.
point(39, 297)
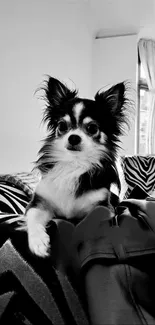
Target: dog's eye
point(92, 128)
point(62, 126)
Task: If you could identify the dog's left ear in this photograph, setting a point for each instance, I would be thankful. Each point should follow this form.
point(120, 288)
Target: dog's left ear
point(114, 98)
point(114, 106)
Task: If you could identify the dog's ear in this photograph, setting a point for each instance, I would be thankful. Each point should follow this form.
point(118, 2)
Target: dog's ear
point(114, 104)
point(114, 97)
point(56, 92)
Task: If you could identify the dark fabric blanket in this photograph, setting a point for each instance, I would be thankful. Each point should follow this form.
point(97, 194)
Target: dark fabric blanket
point(99, 272)
point(118, 263)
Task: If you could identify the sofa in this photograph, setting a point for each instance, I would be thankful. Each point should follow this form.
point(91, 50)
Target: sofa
point(30, 287)
point(134, 171)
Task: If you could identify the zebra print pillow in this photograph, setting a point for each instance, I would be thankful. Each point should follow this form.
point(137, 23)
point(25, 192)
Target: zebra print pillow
point(13, 199)
point(16, 191)
point(139, 170)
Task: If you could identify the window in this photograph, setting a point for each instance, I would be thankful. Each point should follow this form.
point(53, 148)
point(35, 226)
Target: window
point(142, 116)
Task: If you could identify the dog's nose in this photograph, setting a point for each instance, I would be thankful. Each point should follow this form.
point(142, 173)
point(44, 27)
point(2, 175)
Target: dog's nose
point(74, 139)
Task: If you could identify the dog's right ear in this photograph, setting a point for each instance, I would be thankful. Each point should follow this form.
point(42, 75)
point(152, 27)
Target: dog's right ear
point(56, 92)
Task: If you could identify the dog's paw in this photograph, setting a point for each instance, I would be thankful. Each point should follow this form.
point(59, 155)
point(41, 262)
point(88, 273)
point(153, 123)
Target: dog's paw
point(39, 242)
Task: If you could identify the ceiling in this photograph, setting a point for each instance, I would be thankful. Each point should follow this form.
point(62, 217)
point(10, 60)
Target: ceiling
point(117, 17)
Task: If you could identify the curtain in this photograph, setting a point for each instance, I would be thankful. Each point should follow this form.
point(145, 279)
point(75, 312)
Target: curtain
point(147, 57)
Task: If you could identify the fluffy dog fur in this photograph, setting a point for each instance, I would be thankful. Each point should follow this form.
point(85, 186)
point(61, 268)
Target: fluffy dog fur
point(77, 159)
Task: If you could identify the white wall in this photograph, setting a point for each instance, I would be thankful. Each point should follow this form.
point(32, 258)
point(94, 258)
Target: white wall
point(37, 37)
point(114, 60)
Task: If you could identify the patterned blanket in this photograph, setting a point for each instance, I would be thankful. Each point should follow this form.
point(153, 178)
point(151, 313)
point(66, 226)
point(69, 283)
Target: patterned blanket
point(31, 287)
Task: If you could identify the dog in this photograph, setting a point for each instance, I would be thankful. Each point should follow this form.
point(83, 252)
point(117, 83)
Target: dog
point(77, 160)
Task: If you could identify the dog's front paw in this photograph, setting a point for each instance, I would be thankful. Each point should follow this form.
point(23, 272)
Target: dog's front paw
point(39, 241)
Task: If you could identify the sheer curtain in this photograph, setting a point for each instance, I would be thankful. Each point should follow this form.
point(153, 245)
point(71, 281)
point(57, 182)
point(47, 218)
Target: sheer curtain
point(147, 57)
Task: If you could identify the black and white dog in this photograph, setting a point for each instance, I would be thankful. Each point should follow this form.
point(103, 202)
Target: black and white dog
point(78, 157)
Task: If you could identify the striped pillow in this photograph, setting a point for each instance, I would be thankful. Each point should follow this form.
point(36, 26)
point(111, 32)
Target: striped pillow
point(139, 170)
point(26, 181)
point(12, 198)
point(16, 191)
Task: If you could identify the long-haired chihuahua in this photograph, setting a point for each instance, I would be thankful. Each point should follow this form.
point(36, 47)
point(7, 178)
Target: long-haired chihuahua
point(78, 157)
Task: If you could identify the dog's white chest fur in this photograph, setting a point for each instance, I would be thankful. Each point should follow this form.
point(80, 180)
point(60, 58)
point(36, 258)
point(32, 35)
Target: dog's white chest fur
point(58, 188)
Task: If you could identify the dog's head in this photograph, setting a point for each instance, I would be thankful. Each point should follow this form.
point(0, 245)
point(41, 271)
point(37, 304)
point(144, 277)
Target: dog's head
point(81, 131)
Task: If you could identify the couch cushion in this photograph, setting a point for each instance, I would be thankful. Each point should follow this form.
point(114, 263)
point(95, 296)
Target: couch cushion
point(139, 170)
point(12, 198)
point(26, 181)
point(16, 191)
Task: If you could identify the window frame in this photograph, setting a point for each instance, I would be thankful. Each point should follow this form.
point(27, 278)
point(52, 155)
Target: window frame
point(141, 85)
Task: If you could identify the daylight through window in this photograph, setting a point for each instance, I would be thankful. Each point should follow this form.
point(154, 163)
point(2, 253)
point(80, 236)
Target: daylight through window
point(143, 113)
